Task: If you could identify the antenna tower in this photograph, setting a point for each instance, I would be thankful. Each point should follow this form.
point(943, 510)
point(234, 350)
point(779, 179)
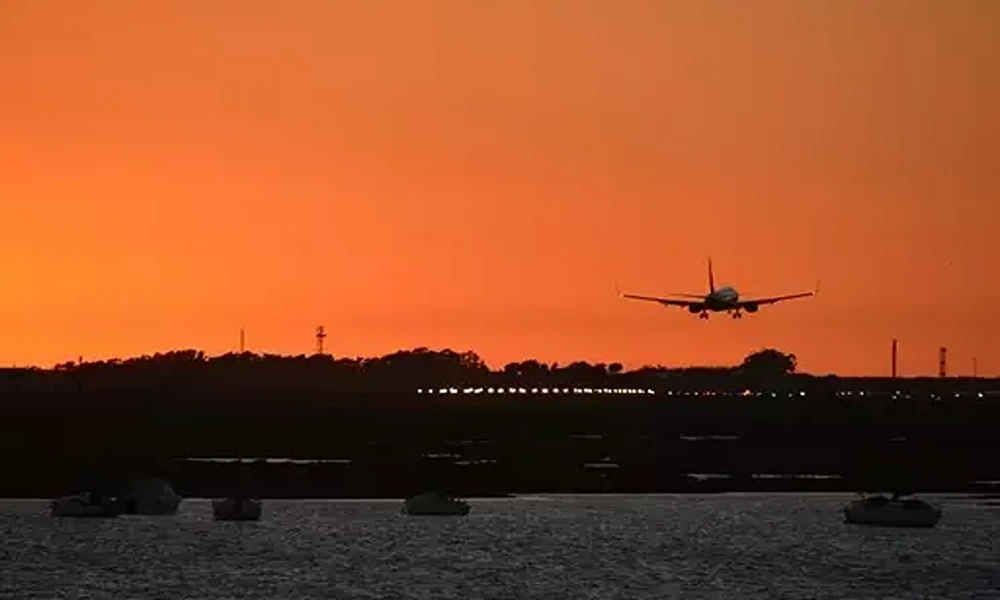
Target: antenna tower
point(894, 345)
point(243, 341)
point(943, 362)
point(320, 336)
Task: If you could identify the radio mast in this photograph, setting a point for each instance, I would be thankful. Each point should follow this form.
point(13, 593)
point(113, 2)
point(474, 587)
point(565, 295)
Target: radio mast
point(320, 336)
point(894, 346)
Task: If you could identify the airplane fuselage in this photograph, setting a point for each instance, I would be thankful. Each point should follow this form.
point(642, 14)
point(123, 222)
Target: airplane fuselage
point(724, 298)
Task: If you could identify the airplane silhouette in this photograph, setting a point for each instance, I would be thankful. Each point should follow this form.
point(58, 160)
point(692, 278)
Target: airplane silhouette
point(718, 300)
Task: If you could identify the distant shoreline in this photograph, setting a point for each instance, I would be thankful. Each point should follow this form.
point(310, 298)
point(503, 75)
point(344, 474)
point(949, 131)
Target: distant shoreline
point(971, 491)
point(319, 427)
point(541, 495)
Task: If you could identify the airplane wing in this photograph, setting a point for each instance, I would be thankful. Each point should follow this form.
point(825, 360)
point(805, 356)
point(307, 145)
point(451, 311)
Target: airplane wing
point(774, 299)
point(664, 301)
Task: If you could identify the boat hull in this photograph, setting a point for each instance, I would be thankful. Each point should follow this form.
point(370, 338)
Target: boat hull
point(76, 506)
point(459, 511)
point(435, 505)
point(891, 516)
point(150, 496)
point(229, 509)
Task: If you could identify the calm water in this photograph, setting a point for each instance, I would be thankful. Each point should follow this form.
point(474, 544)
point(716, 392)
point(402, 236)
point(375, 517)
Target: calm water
point(720, 546)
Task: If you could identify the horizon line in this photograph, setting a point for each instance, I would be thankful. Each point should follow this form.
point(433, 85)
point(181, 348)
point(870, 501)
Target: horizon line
point(625, 367)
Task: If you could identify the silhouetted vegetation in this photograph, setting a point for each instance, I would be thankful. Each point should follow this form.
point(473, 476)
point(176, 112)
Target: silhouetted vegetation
point(554, 427)
point(769, 363)
point(403, 370)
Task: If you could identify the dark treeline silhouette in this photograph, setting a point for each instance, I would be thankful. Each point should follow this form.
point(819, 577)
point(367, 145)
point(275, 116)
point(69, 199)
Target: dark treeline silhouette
point(76, 424)
point(400, 371)
point(406, 370)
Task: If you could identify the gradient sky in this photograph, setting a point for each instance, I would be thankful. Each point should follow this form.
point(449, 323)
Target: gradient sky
point(485, 175)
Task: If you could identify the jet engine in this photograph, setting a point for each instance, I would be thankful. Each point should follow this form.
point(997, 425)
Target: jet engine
point(750, 308)
point(695, 308)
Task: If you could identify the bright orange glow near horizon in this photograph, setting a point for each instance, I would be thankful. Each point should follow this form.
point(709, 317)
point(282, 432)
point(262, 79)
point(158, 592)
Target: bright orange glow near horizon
point(486, 176)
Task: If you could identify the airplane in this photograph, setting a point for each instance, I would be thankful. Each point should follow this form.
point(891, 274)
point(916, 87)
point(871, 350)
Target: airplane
point(718, 300)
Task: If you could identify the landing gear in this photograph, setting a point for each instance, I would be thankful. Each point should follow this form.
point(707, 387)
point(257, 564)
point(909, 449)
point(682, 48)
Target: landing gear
point(703, 315)
point(737, 315)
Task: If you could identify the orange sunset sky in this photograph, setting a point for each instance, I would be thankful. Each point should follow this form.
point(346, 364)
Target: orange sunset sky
point(485, 175)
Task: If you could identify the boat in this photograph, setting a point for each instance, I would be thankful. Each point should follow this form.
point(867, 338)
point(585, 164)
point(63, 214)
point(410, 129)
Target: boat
point(435, 503)
point(86, 504)
point(236, 508)
point(891, 512)
point(151, 496)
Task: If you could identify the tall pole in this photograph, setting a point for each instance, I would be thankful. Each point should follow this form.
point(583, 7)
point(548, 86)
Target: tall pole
point(320, 336)
point(243, 340)
point(894, 345)
point(943, 362)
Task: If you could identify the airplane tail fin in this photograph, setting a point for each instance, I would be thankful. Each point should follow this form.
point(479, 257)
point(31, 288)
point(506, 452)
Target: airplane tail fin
point(711, 277)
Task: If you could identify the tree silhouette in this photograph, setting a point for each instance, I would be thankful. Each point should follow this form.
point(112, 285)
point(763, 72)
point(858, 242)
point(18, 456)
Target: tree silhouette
point(769, 363)
point(189, 371)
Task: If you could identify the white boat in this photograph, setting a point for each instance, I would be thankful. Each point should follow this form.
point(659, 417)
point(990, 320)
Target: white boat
point(87, 504)
point(236, 508)
point(435, 503)
point(891, 512)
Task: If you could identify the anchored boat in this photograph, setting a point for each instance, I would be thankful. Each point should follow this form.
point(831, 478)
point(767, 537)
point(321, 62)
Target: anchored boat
point(895, 511)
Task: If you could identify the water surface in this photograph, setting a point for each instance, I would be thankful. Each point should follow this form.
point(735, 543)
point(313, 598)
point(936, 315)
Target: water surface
point(573, 547)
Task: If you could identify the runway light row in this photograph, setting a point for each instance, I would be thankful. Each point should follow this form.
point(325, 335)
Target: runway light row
point(646, 391)
point(544, 390)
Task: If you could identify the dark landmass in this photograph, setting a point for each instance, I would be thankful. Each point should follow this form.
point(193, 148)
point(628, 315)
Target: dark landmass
point(383, 428)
